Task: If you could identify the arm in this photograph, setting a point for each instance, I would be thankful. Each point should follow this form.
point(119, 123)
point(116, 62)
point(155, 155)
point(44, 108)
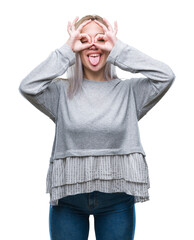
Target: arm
point(147, 90)
point(40, 86)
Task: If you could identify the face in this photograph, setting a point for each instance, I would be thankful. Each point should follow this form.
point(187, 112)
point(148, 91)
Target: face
point(93, 63)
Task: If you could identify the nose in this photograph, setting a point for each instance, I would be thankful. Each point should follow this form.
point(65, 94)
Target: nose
point(93, 47)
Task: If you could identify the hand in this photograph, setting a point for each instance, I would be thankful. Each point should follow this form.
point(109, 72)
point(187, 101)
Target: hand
point(76, 35)
point(109, 37)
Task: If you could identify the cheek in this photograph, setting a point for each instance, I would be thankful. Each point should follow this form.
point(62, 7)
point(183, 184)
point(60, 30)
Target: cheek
point(105, 56)
point(82, 56)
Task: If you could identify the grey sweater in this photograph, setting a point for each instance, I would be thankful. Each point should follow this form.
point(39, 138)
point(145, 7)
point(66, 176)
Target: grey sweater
point(103, 118)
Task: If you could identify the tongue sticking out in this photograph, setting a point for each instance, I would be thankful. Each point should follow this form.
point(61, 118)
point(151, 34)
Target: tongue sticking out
point(94, 60)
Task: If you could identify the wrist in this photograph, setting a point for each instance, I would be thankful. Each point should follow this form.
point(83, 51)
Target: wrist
point(69, 44)
point(115, 40)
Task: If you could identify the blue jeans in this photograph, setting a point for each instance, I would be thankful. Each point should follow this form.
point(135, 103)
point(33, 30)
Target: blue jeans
point(114, 216)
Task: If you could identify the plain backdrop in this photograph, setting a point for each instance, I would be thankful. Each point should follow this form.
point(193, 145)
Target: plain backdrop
point(30, 30)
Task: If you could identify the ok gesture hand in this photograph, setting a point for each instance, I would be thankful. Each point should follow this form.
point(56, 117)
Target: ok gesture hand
point(109, 37)
point(76, 35)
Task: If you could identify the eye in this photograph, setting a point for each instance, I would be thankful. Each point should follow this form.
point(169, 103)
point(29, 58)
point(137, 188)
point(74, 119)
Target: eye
point(101, 40)
point(84, 41)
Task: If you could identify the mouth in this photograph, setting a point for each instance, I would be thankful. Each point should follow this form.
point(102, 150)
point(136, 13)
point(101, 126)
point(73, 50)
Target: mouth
point(94, 58)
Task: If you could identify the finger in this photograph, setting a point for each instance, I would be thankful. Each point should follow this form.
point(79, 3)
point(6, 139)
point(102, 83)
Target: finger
point(115, 27)
point(109, 25)
point(83, 24)
point(99, 37)
point(85, 35)
point(73, 23)
point(69, 27)
point(101, 25)
point(87, 45)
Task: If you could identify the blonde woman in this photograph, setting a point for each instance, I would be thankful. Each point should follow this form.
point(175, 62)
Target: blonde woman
point(98, 164)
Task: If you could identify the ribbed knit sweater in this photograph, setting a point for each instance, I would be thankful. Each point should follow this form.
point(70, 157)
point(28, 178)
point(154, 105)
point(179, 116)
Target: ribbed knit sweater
point(99, 126)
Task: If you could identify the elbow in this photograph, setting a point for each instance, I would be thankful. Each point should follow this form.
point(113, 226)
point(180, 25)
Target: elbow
point(170, 76)
point(169, 79)
point(21, 88)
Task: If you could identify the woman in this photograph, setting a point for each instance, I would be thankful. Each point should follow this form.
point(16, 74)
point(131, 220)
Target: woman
point(97, 164)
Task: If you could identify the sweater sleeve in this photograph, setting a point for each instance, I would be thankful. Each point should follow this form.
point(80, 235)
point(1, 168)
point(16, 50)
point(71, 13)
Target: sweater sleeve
point(40, 86)
point(147, 90)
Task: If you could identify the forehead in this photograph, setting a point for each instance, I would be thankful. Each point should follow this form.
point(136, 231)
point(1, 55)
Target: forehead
point(92, 28)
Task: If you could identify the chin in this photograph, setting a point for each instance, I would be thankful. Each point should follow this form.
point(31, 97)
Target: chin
point(95, 68)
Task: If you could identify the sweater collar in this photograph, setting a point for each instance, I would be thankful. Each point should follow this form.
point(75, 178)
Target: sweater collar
point(115, 80)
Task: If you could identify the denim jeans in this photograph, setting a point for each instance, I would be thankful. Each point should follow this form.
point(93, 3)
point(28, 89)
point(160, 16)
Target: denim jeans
point(114, 216)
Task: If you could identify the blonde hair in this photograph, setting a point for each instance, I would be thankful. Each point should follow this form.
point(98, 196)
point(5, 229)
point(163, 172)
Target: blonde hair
point(75, 72)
